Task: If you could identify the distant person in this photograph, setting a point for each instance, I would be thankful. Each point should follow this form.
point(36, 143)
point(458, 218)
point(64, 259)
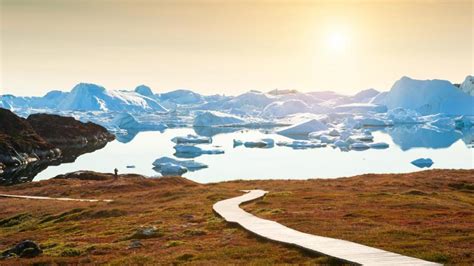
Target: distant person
point(116, 173)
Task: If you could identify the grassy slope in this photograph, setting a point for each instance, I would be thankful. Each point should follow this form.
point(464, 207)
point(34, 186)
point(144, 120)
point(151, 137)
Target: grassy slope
point(428, 214)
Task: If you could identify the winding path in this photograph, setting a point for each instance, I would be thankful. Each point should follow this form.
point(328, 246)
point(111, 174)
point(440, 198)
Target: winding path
point(344, 250)
point(49, 198)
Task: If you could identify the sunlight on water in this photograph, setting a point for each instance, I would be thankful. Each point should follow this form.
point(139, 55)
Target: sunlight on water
point(274, 163)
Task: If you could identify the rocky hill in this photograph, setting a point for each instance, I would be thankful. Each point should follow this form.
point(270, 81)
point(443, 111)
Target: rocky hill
point(27, 146)
point(60, 130)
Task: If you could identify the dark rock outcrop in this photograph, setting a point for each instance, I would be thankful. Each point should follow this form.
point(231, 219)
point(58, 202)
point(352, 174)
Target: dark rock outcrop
point(67, 131)
point(24, 249)
point(28, 146)
point(20, 144)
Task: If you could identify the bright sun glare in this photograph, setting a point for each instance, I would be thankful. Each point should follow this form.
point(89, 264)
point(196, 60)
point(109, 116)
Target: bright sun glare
point(337, 41)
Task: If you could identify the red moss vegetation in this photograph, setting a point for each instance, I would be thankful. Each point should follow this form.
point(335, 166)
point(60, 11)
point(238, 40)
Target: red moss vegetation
point(428, 214)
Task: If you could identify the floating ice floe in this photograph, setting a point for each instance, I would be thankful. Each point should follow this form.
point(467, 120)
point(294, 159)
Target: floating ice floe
point(191, 139)
point(304, 128)
point(341, 143)
point(422, 162)
point(262, 143)
point(359, 146)
point(301, 144)
point(190, 151)
point(237, 143)
point(363, 137)
point(378, 145)
point(190, 165)
point(167, 169)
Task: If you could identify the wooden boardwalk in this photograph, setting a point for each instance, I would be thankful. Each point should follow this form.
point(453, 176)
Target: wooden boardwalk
point(49, 198)
point(344, 250)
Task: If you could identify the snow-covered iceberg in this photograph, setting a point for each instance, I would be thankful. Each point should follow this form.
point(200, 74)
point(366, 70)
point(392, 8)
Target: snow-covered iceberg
point(361, 108)
point(468, 85)
point(214, 118)
point(429, 97)
point(281, 109)
point(91, 97)
point(304, 128)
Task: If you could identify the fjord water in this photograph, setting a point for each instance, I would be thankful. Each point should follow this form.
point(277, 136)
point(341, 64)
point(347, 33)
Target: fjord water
point(446, 148)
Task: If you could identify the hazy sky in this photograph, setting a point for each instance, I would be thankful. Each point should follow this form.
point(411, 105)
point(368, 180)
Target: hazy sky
point(232, 46)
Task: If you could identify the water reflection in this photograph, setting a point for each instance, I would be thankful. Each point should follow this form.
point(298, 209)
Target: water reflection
point(420, 136)
point(447, 148)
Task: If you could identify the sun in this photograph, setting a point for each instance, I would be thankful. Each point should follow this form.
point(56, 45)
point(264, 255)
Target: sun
point(337, 41)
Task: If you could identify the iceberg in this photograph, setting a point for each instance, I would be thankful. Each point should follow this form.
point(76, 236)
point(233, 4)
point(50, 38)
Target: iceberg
point(429, 97)
point(91, 97)
point(442, 122)
point(422, 162)
point(304, 128)
point(191, 139)
point(464, 122)
point(145, 91)
point(281, 109)
point(361, 108)
point(213, 118)
point(182, 97)
point(190, 165)
point(401, 116)
point(468, 85)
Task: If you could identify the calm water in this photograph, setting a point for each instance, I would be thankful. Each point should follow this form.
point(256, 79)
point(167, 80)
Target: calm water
point(446, 149)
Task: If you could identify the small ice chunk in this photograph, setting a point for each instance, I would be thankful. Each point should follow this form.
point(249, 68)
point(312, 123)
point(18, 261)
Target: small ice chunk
point(359, 146)
point(191, 165)
point(422, 162)
point(237, 143)
point(301, 144)
point(169, 169)
point(186, 150)
point(378, 145)
point(263, 143)
point(365, 138)
point(327, 139)
point(334, 133)
point(191, 139)
point(340, 143)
